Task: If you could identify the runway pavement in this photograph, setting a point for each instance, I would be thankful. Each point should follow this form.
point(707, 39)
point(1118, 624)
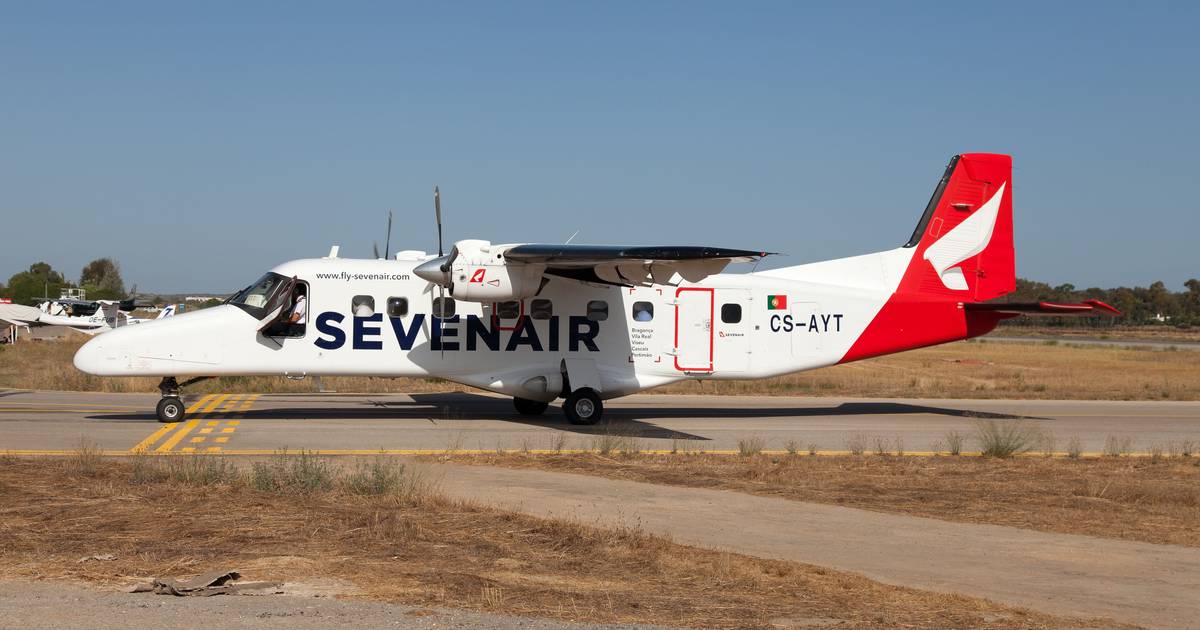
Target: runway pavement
point(55, 422)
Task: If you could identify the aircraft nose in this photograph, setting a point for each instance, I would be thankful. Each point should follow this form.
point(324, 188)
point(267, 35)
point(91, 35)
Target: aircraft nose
point(90, 357)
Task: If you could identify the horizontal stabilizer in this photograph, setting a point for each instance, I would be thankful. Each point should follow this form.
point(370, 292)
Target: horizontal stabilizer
point(1085, 308)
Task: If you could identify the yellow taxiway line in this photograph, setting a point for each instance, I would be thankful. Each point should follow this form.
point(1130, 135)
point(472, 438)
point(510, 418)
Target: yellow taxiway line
point(360, 452)
point(207, 413)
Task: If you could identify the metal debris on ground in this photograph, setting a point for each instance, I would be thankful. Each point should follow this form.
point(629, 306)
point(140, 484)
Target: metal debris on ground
point(206, 584)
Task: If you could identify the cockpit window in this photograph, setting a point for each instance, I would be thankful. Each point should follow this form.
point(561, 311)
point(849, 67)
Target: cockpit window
point(254, 298)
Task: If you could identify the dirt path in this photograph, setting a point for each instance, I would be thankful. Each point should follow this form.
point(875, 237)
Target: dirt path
point(1146, 584)
point(37, 605)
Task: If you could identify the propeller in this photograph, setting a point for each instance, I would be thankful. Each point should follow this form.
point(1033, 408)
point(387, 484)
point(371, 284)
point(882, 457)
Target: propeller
point(437, 270)
point(437, 210)
point(387, 247)
point(444, 268)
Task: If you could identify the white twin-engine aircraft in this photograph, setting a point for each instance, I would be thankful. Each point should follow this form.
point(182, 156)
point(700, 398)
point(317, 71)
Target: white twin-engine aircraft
point(588, 323)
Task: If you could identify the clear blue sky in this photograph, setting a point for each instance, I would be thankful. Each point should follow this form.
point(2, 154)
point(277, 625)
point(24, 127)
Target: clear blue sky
point(199, 145)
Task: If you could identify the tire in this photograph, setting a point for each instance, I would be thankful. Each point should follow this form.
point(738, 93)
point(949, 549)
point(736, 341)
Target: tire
point(169, 409)
point(528, 407)
point(583, 406)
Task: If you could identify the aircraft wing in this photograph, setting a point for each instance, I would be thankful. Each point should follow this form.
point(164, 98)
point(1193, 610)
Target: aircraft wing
point(628, 266)
point(1085, 308)
point(20, 315)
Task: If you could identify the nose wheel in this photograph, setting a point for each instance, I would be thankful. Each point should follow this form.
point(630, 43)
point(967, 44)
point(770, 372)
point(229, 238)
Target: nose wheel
point(583, 406)
point(169, 409)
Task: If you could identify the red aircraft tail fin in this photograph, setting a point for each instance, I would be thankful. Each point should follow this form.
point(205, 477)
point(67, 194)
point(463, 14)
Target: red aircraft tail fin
point(964, 242)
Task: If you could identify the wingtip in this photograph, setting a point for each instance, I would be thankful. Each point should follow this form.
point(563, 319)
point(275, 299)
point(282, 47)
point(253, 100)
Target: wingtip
point(1101, 306)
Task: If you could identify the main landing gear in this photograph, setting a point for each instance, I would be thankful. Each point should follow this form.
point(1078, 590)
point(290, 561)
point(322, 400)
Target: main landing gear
point(170, 407)
point(528, 407)
point(582, 406)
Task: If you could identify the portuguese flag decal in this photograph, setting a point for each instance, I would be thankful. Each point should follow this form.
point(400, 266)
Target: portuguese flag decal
point(776, 302)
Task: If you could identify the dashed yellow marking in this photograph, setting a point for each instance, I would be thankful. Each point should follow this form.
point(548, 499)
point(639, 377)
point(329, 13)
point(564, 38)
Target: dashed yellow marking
point(233, 423)
point(177, 437)
point(215, 403)
point(197, 440)
point(213, 423)
point(249, 401)
point(187, 449)
point(213, 449)
point(206, 430)
point(200, 403)
point(145, 444)
point(221, 440)
point(228, 430)
point(232, 404)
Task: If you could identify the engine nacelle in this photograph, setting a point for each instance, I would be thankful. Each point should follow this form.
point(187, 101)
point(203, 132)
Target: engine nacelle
point(480, 274)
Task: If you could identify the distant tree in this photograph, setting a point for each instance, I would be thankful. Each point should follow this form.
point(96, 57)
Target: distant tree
point(1191, 300)
point(41, 279)
point(209, 303)
point(102, 280)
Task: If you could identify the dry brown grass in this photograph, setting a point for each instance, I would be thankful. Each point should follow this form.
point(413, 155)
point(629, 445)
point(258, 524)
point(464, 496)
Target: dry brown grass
point(1162, 333)
point(1133, 499)
point(48, 366)
point(982, 369)
point(421, 549)
point(959, 370)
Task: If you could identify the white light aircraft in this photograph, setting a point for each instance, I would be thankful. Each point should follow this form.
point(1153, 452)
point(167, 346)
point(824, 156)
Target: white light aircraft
point(589, 323)
point(89, 317)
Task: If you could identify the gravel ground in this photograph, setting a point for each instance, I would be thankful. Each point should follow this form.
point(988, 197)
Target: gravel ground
point(34, 605)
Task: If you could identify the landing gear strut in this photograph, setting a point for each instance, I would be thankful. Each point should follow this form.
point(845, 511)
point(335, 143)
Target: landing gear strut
point(170, 407)
point(583, 406)
point(528, 407)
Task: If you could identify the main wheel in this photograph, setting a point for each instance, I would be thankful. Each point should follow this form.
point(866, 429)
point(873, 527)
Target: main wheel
point(170, 409)
point(530, 407)
point(583, 406)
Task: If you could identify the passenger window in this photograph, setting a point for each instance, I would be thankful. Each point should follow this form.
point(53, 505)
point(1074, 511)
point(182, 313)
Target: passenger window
point(397, 307)
point(362, 306)
point(643, 311)
point(731, 313)
point(443, 307)
point(508, 310)
point(541, 309)
point(597, 310)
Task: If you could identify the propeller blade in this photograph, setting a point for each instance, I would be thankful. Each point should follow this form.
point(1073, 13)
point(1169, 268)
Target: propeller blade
point(437, 209)
point(387, 248)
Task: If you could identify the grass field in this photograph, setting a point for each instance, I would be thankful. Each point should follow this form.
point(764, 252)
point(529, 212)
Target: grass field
point(394, 539)
point(978, 369)
point(1156, 501)
point(1118, 332)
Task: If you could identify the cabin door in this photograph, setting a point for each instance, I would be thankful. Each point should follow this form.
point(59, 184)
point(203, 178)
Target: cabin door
point(694, 329)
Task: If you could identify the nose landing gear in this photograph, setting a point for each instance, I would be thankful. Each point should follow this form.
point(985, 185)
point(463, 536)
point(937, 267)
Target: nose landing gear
point(170, 407)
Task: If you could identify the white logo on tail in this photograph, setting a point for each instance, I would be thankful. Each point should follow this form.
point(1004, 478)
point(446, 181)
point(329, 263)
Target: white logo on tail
point(966, 239)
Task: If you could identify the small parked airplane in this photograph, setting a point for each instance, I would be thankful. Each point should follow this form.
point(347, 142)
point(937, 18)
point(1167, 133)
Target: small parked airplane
point(86, 316)
point(588, 323)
